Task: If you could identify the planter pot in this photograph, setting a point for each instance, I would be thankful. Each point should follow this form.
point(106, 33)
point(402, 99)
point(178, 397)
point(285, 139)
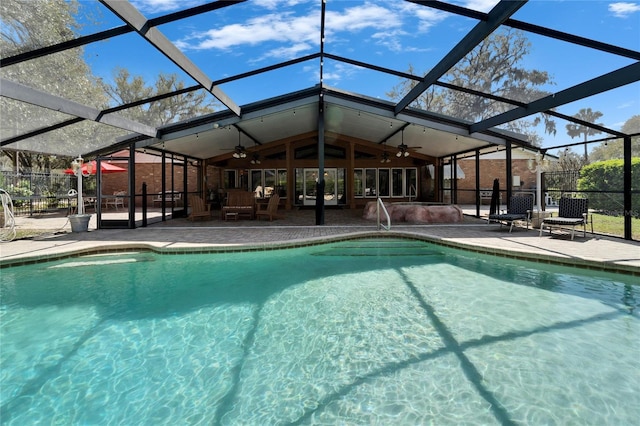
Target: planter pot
point(79, 222)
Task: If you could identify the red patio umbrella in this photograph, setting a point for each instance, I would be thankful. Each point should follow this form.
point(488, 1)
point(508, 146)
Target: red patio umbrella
point(104, 166)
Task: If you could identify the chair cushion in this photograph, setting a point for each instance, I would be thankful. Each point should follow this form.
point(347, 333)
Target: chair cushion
point(563, 221)
point(508, 216)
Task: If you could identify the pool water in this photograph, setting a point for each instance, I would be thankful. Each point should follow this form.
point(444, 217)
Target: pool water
point(357, 332)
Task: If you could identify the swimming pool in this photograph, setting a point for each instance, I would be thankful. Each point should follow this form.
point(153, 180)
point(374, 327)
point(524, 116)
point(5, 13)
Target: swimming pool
point(356, 332)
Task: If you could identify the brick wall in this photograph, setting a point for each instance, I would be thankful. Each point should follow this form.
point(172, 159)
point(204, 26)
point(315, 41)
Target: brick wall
point(490, 170)
point(151, 173)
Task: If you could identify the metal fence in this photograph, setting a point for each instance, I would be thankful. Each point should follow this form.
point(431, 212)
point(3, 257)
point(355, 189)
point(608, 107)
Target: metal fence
point(33, 193)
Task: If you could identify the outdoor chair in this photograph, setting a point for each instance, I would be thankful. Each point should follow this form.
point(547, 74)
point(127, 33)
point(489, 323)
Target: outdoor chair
point(239, 203)
point(572, 212)
point(199, 209)
point(116, 201)
point(272, 208)
point(520, 207)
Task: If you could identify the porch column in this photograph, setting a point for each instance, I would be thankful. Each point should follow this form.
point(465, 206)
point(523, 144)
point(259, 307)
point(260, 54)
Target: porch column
point(320, 183)
point(291, 186)
point(626, 185)
point(350, 178)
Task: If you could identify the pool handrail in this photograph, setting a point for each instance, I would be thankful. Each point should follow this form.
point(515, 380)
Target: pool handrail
point(386, 213)
point(413, 193)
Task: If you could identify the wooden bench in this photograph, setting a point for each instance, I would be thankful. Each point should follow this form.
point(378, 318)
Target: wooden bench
point(171, 198)
point(243, 203)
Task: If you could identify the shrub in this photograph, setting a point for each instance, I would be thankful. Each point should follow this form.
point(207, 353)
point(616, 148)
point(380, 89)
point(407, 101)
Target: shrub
point(607, 177)
point(20, 190)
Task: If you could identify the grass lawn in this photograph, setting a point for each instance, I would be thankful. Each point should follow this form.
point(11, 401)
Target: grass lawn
point(614, 225)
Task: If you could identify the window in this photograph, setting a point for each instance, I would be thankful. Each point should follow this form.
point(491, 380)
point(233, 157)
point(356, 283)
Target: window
point(269, 182)
point(257, 185)
point(397, 182)
point(411, 183)
point(281, 183)
point(370, 189)
point(341, 185)
point(358, 183)
point(383, 182)
point(230, 179)
point(299, 185)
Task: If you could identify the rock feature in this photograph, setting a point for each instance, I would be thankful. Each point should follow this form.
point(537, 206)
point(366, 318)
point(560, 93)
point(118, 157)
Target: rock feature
point(416, 213)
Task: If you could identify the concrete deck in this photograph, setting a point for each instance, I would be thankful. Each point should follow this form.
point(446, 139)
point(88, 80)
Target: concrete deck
point(297, 227)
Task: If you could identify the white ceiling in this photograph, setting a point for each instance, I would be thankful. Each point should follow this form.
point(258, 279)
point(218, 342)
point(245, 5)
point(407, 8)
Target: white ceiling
point(345, 114)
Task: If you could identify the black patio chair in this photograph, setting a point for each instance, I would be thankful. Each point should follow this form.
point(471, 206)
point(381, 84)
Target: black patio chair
point(520, 207)
point(572, 212)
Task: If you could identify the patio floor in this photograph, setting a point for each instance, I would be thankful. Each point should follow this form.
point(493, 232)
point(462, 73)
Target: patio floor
point(297, 227)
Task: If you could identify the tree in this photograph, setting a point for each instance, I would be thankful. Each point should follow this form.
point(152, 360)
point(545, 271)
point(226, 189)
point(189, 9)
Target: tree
point(568, 161)
point(575, 130)
point(31, 24)
point(493, 67)
point(127, 89)
point(615, 149)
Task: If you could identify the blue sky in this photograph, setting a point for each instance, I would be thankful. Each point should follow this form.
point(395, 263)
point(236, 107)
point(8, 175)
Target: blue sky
point(387, 33)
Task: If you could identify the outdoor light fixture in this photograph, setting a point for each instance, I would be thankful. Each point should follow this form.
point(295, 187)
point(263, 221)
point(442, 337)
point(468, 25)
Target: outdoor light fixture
point(403, 151)
point(80, 221)
point(76, 166)
point(240, 152)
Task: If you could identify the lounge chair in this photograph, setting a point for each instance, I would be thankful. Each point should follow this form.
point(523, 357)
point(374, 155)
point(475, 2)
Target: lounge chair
point(572, 212)
point(272, 208)
point(520, 207)
point(199, 209)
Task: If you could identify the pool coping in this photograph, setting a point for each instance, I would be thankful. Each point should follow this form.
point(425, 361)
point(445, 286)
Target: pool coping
point(118, 247)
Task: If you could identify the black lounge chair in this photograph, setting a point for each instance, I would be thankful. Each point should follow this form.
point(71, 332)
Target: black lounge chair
point(572, 212)
point(520, 207)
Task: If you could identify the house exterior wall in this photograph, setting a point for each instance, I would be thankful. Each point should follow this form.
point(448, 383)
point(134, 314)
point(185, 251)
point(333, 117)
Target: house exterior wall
point(491, 169)
point(151, 174)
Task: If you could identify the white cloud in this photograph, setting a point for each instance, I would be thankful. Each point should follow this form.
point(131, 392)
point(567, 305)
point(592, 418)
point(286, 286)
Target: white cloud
point(265, 28)
point(287, 52)
point(275, 4)
point(298, 32)
point(481, 5)
point(336, 72)
point(625, 105)
point(623, 9)
point(158, 6)
point(367, 16)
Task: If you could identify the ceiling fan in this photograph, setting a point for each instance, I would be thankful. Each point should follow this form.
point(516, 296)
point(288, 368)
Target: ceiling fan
point(239, 151)
point(403, 150)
